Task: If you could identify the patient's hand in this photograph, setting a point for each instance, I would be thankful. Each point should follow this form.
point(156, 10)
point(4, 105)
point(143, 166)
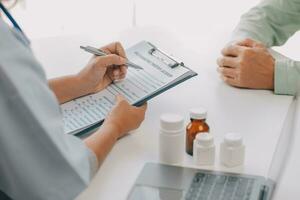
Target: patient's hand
point(102, 70)
point(247, 64)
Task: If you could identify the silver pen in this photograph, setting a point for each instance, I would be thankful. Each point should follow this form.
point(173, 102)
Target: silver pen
point(99, 52)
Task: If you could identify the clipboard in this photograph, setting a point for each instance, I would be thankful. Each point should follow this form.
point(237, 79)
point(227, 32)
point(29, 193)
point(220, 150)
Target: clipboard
point(151, 54)
point(165, 59)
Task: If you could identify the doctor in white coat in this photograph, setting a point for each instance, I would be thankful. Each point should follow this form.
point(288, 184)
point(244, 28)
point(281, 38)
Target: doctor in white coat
point(37, 160)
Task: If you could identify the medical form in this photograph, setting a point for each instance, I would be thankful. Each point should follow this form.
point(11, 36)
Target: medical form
point(138, 87)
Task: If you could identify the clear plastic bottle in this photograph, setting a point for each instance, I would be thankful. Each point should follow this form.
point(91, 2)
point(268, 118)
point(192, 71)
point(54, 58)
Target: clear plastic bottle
point(197, 125)
point(232, 150)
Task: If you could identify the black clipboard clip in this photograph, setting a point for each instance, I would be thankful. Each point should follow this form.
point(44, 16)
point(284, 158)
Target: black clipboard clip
point(163, 57)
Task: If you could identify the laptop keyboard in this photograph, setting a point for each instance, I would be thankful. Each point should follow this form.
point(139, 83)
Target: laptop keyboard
point(219, 187)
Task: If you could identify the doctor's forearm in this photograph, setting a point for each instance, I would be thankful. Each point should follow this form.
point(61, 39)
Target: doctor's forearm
point(67, 88)
point(102, 141)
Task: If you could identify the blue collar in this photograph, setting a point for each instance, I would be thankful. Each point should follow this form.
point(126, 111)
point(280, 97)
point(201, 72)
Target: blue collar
point(13, 21)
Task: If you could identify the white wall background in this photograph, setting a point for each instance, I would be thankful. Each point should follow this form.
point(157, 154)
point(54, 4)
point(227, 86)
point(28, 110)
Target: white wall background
point(193, 21)
point(192, 17)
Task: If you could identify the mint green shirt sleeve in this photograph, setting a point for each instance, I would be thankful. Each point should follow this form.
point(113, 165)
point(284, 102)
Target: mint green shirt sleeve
point(287, 72)
point(273, 22)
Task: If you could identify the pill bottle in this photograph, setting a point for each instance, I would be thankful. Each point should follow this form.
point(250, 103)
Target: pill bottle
point(197, 125)
point(171, 139)
point(204, 149)
point(232, 150)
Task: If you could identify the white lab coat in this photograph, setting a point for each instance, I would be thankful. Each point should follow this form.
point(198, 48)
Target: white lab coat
point(37, 160)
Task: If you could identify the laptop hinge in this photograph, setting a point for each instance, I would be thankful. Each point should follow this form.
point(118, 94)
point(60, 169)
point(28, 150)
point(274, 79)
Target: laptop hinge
point(263, 192)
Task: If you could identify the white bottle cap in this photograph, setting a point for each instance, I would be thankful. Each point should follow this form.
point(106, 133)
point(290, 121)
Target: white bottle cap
point(198, 113)
point(204, 139)
point(233, 139)
point(171, 122)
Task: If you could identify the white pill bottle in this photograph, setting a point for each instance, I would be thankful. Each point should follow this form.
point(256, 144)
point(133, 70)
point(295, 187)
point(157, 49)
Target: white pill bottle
point(204, 149)
point(171, 139)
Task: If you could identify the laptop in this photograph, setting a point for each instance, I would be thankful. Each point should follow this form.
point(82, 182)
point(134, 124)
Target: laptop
point(165, 182)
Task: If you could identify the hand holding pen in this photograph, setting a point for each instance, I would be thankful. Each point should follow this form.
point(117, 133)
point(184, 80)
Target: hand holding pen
point(102, 70)
point(100, 52)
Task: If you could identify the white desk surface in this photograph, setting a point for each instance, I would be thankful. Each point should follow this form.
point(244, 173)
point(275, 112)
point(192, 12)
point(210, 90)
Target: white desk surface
point(257, 115)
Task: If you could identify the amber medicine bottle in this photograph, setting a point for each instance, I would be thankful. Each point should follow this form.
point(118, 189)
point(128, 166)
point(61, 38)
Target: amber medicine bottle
point(197, 125)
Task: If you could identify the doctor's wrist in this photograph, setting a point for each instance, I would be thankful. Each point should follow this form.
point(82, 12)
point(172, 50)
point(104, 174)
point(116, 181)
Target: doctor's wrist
point(83, 85)
point(112, 129)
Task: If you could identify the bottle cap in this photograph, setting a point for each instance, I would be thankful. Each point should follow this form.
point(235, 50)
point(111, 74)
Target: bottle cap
point(204, 139)
point(233, 139)
point(171, 122)
point(198, 113)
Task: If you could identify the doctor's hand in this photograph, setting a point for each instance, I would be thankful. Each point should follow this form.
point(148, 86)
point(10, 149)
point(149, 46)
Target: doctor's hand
point(125, 117)
point(247, 64)
point(122, 119)
point(102, 70)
